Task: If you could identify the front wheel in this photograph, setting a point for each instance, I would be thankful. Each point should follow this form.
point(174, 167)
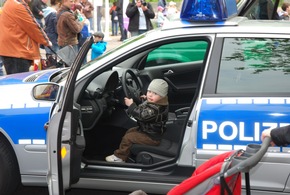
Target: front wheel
point(9, 172)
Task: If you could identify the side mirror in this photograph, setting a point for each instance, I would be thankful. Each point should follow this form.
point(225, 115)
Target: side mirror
point(47, 91)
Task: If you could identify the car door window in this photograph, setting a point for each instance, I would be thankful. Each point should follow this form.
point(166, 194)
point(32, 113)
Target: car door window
point(262, 9)
point(254, 65)
point(180, 63)
point(179, 52)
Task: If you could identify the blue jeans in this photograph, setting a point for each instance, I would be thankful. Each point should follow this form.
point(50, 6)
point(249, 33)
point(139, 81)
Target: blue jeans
point(39, 21)
point(114, 28)
point(121, 25)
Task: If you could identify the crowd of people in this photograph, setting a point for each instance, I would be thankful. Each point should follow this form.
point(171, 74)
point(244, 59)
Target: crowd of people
point(28, 25)
point(64, 25)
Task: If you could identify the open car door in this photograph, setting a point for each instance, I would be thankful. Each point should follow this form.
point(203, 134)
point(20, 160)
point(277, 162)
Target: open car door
point(65, 140)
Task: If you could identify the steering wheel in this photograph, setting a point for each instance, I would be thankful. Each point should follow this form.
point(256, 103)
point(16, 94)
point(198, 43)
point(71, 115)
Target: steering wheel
point(132, 86)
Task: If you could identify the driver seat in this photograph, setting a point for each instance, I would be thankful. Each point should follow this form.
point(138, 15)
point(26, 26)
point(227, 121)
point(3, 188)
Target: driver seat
point(168, 147)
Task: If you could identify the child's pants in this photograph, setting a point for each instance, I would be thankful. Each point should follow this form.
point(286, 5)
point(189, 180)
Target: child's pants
point(133, 136)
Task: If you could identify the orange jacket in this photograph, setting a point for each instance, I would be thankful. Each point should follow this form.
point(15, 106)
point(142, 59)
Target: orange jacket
point(20, 34)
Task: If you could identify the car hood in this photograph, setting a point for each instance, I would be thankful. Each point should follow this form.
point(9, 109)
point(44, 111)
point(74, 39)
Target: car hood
point(28, 77)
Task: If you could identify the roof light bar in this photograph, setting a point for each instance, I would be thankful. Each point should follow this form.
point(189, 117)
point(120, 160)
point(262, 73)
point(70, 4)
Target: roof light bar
point(208, 10)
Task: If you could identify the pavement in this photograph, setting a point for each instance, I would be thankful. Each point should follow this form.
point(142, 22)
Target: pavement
point(113, 41)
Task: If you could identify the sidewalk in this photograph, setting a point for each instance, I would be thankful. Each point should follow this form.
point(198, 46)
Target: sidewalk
point(113, 41)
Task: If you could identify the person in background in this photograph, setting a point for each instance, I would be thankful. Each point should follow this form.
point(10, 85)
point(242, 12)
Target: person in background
point(114, 19)
point(87, 11)
point(86, 31)
point(163, 4)
point(172, 11)
point(151, 117)
point(49, 14)
point(99, 46)
point(265, 10)
point(69, 25)
point(20, 37)
point(160, 17)
point(76, 5)
point(140, 15)
point(37, 7)
point(280, 136)
point(119, 10)
point(284, 13)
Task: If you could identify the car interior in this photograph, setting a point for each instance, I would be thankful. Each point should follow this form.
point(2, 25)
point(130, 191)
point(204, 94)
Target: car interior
point(104, 116)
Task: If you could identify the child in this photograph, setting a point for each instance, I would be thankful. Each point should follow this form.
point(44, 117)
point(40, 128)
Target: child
point(99, 46)
point(151, 117)
point(172, 11)
point(160, 16)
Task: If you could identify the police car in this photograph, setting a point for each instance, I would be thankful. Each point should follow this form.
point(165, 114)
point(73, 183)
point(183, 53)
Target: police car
point(228, 81)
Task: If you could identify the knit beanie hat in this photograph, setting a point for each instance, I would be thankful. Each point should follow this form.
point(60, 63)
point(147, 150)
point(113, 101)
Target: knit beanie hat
point(159, 86)
point(99, 34)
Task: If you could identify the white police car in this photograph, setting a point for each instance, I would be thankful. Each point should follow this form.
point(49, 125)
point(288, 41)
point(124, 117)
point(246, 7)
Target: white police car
point(228, 82)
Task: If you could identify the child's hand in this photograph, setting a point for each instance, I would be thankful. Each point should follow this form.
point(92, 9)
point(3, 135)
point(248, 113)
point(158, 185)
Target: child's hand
point(128, 101)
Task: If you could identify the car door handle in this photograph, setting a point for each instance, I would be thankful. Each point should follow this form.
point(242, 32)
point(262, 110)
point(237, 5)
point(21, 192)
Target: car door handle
point(168, 72)
point(46, 125)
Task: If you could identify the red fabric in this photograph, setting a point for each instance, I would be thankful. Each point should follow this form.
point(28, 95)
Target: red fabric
point(206, 171)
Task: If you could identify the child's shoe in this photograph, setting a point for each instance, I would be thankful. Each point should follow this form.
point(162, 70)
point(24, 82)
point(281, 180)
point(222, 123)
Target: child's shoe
point(113, 158)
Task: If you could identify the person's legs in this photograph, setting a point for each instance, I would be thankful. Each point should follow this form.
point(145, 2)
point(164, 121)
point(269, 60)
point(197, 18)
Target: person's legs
point(55, 48)
point(113, 26)
point(116, 28)
point(16, 65)
point(47, 50)
point(39, 21)
point(99, 24)
point(81, 42)
point(121, 26)
point(133, 136)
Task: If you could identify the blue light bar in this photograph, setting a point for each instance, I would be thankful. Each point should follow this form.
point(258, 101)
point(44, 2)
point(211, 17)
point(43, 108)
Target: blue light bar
point(208, 10)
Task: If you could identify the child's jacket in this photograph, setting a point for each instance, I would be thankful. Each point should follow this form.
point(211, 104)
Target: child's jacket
point(151, 117)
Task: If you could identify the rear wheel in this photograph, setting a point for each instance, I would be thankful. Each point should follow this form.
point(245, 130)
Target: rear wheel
point(9, 172)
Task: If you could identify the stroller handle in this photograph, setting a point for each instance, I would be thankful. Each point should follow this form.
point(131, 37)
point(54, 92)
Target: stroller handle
point(247, 164)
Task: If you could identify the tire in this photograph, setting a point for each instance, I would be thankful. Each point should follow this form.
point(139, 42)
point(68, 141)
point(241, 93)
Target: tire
point(9, 172)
